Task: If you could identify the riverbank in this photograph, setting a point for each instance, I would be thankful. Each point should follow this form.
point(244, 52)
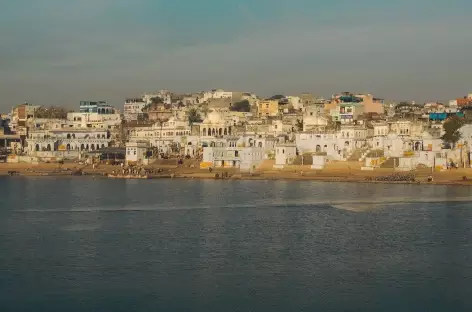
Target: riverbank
point(341, 172)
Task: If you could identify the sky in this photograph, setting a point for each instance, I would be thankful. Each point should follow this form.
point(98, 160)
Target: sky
point(56, 52)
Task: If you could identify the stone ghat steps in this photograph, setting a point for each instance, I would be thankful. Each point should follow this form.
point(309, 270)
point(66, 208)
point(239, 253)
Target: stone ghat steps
point(391, 162)
point(266, 165)
point(356, 155)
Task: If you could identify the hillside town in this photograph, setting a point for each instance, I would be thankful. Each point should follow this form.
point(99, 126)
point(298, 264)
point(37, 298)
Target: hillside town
point(243, 132)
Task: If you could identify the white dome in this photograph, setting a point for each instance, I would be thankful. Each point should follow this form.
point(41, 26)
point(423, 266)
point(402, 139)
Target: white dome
point(214, 117)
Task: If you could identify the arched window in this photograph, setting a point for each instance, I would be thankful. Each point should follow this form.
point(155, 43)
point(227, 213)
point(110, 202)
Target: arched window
point(37, 148)
point(48, 148)
point(68, 135)
point(68, 147)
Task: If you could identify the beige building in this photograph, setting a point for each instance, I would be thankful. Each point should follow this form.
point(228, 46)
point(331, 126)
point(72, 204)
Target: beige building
point(268, 108)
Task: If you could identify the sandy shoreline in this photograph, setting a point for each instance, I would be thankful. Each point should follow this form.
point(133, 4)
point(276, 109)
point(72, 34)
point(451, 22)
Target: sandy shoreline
point(342, 173)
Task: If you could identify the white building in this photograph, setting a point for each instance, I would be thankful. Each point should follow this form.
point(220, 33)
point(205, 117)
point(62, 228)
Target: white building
point(133, 108)
point(313, 119)
point(137, 152)
point(244, 158)
point(94, 120)
point(335, 148)
point(67, 143)
point(285, 154)
point(215, 125)
point(165, 135)
point(466, 140)
point(295, 102)
point(216, 94)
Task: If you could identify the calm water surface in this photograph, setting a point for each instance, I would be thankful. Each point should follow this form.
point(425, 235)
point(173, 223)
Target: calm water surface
point(79, 244)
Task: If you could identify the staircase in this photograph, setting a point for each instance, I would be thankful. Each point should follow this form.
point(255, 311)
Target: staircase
point(356, 154)
point(265, 165)
point(391, 162)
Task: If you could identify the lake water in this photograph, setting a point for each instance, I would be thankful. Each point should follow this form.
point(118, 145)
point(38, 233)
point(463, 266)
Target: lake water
point(83, 244)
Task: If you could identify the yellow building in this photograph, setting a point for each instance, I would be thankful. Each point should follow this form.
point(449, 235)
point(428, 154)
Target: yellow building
point(268, 108)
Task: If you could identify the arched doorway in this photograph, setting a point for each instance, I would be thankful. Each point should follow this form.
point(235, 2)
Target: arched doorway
point(209, 132)
point(48, 148)
point(417, 146)
point(92, 147)
point(226, 131)
point(82, 147)
point(220, 131)
point(204, 131)
point(68, 135)
point(87, 147)
point(68, 147)
point(37, 148)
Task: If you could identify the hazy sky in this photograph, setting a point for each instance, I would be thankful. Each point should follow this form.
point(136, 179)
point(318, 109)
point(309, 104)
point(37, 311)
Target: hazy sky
point(57, 52)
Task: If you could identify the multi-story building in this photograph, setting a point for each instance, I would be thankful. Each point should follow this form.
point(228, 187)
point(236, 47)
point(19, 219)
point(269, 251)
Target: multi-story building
point(133, 109)
point(163, 135)
point(348, 112)
point(68, 143)
point(216, 94)
point(94, 120)
point(98, 107)
point(268, 108)
point(244, 158)
point(19, 115)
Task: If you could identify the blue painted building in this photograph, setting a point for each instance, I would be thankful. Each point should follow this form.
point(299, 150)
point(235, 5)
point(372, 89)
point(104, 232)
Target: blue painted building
point(443, 116)
point(100, 107)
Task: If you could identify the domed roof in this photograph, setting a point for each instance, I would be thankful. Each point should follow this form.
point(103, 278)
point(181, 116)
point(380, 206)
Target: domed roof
point(426, 135)
point(214, 117)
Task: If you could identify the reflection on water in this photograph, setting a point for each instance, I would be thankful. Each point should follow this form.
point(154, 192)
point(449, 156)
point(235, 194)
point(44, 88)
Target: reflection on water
point(101, 245)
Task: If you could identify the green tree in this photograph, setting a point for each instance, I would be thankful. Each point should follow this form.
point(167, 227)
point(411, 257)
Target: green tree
point(300, 124)
point(54, 112)
point(156, 100)
point(194, 116)
point(277, 97)
point(241, 106)
point(451, 130)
